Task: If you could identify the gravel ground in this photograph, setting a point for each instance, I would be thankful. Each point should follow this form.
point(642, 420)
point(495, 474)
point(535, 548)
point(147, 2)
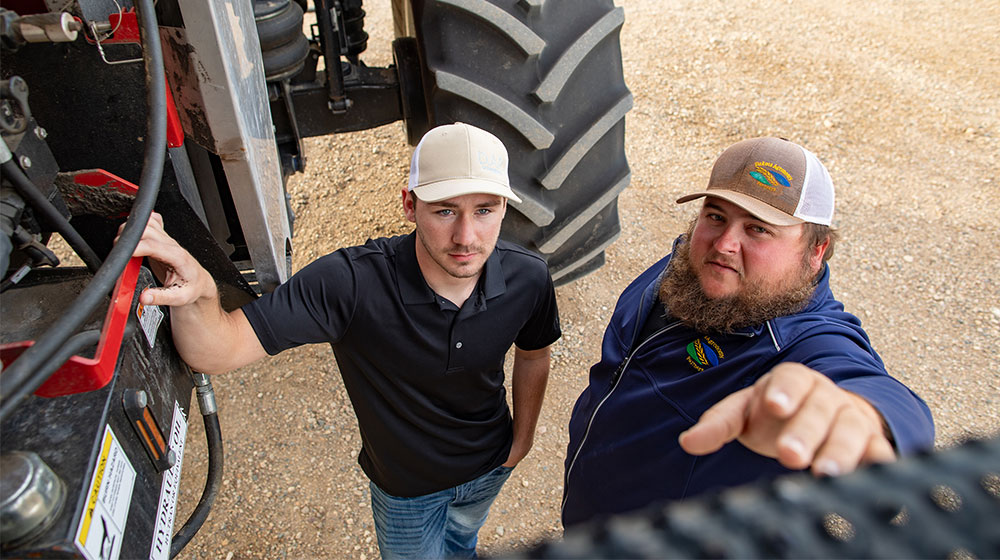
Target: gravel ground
point(900, 100)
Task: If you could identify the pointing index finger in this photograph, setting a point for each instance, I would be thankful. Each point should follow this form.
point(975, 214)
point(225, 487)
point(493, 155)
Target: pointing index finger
point(719, 425)
point(787, 386)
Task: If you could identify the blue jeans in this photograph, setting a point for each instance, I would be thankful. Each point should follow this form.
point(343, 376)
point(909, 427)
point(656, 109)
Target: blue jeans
point(444, 524)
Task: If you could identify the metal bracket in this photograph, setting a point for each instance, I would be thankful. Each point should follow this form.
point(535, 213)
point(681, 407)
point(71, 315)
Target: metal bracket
point(121, 29)
point(136, 403)
point(17, 89)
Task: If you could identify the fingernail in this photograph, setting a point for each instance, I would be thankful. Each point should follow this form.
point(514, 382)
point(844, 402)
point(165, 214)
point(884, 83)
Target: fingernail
point(781, 399)
point(794, 445)
point(828, 467)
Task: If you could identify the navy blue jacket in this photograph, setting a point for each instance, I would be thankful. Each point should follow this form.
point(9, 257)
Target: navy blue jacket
point(623, 452)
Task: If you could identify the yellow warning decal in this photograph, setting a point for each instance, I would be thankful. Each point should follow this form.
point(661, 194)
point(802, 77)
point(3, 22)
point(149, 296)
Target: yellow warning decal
point(95, 487)
point(104, 516)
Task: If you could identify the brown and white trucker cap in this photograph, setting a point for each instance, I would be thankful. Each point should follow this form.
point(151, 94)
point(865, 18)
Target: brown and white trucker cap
point(456, 159)
point(778, 181)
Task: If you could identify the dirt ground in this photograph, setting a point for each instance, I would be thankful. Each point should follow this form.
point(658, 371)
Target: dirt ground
point(901, 102)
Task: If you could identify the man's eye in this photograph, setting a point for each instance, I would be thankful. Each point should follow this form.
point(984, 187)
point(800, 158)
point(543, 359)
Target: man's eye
point(483, 211)
point(759, 229)
point(445, 212)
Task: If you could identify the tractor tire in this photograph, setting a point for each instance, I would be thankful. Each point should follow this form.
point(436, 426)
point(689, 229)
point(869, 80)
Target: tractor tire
point(544, 76)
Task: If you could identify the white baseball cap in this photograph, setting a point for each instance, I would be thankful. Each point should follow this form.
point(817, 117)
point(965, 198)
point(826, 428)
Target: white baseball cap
point(456, 159)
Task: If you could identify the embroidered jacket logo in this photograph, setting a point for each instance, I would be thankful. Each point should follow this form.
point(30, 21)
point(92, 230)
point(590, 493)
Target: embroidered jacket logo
point(704, 353)
point(771, 175)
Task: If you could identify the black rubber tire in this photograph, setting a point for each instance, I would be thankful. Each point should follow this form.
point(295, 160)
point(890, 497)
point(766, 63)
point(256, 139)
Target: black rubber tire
point(546, 77)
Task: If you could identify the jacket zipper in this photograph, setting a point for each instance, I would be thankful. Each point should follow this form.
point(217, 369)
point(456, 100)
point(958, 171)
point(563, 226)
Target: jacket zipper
point(618, 375)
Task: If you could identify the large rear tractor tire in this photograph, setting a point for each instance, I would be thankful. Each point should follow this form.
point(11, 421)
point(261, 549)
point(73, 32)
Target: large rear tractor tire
point(545, 76)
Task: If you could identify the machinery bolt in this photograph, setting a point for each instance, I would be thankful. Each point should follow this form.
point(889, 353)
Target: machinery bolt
point(31, 494)
point(56, 27)
point(340, 105)
point(41, 133)
point(25, 162)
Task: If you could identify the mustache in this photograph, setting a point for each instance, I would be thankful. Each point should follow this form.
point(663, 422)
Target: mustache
point(682, 297)
point(464, 249)
point(715, 257)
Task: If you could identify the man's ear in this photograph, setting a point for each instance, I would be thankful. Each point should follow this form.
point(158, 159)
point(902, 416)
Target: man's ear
point(816, 253)
point(409, 205)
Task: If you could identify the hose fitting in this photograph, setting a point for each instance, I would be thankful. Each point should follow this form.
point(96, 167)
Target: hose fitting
point(206, 395)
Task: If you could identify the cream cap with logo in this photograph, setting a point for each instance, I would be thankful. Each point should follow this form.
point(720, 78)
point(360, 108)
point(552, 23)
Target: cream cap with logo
point(777, 181)
point(457, 159)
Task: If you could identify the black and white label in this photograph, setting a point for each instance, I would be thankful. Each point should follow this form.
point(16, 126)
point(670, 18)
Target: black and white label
point(167, 509)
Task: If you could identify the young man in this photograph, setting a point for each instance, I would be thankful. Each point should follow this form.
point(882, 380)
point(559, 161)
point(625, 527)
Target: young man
point(419, 325)
point(730, 360)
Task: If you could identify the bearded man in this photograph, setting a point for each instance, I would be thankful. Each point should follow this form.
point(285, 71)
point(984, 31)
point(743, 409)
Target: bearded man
point(730, 360)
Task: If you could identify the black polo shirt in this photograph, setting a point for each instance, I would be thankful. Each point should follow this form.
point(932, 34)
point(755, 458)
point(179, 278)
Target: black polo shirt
point(425, 377)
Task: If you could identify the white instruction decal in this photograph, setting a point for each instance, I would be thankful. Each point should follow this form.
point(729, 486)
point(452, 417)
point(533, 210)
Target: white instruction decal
point(150, 317)
point(102, 524)
point(163, 533)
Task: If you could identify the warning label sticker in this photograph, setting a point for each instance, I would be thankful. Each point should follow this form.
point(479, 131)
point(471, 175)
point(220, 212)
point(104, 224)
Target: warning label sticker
point(150, 317)
point(165, 512)
point(102, 524)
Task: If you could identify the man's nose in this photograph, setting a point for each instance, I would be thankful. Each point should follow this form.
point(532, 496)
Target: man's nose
point(464, 233)
point(728, 241)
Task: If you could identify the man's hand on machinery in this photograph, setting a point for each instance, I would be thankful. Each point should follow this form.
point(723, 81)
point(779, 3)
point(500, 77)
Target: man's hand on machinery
point(199, 325)
point(798, 416)
point(183, 278)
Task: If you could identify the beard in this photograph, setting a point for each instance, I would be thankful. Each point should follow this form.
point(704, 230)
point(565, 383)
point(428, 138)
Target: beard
point(457, 270)
point(453, 270)
point(684, 299)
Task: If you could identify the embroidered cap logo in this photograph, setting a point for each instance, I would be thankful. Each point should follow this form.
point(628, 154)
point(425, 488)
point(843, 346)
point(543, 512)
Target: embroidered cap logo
point(771, 175)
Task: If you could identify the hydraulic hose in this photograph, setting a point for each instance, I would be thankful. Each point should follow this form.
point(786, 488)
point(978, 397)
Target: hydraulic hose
point(38, 253)
point(50, 214)
point(6, 247)
point(35, 361)
point(213, 482)
point(7, 223)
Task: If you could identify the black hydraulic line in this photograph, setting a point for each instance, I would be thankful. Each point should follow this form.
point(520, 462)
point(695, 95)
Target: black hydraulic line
point(39, 255)
point(96, 291)
point(6, 247)
point(20, 386)
point(48, 212)
point(213, 482)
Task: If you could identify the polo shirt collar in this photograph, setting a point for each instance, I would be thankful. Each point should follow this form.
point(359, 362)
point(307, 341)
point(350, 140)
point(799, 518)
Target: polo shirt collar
point(413, 289)
point(493, 283)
